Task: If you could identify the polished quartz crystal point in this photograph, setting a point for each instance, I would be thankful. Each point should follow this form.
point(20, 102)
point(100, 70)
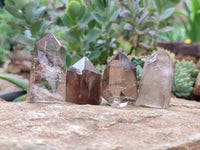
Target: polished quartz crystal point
point(47, 78)
point(156, 81)
point(119, 83)
point(83, 83)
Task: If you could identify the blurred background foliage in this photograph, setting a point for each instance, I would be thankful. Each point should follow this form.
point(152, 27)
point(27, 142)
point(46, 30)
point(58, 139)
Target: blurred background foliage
point(96, 28)
point(99, 28)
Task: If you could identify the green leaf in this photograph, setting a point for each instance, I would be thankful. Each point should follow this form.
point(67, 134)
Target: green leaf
point(82, 11)
point(10, 2)
point(25, 40)
point(68, 60)
point(128, 27)
point(29, 12)
point(166, 29)
point(39, 12)
point(44, 26)
point(99, 18)
point(16, 26)
point(174, 1)
point(176, 12)
point(35, 27)
point(115, 15)
point(111, 8)
point(13, 11)
point(68, 21)
point(99, 5)
point(15, 81)
point(92, 35)
point(70, 37)
point(158, 4)
point(167, 13)
point(94, 55)
point(84, 21)
point(20, 3)
point(20, 98)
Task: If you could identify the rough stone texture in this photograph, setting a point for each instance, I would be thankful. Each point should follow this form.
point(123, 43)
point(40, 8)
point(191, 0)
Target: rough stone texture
point(156, 81)
point(47, 77)
point(87, 127)
point(119, 83)
point(83, 83)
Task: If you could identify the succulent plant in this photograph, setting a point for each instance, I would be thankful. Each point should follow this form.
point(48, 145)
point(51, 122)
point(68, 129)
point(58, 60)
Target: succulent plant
point(139, 74)
point(139, 65)
point(184, 78)
point(73, 9)
point(137, 61)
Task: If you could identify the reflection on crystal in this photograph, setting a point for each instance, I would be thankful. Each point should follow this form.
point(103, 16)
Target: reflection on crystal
point(47, 78)
point(119, 81)
point(156, 81)
point(83, 83)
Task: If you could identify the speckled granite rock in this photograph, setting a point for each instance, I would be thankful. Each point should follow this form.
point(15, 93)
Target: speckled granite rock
point(86, 127)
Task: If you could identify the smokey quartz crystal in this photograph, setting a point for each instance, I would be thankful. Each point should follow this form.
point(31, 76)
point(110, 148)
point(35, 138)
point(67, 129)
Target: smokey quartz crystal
point(47, 78)
point(83, 83)
point(156, 81)
point(119, 83)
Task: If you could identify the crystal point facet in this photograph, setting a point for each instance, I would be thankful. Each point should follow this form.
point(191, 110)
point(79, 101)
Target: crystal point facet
point(119, 80)
point(47, 78)
point(83, 83)
point(156, 81)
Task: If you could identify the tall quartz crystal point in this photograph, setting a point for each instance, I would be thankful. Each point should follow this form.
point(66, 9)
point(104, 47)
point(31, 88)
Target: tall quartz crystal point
point(156, 81)
point(119, 84)
point(83, 83)
point(47, 78)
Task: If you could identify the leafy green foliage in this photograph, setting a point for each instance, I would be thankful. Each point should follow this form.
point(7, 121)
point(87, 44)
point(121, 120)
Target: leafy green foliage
point(90, 29)
point(145, 20)
point(7, 33)
point(139, 67)
point(191, 13)
point(184, 78)
point(29, 20)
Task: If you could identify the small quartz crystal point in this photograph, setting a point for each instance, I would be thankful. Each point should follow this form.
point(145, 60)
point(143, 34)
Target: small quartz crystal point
point(47, 78)
point(156, 81)
point(119, 83)
point(83, 83)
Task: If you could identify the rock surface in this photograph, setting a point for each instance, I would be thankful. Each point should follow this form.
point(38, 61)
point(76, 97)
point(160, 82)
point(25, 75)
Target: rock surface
point(39, 126)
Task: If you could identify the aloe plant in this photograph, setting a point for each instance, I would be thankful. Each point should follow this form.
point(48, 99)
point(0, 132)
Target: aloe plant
point(21, 84)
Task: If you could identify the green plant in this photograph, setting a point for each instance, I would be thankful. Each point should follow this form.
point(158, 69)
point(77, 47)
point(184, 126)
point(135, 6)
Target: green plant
point(29, 20)
point(90, 29)
point(145, 20)
point(23, 85)
point(177, 34)
point(192, 14)
point(139, 64)
point(184, 78)
point(7, 34)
